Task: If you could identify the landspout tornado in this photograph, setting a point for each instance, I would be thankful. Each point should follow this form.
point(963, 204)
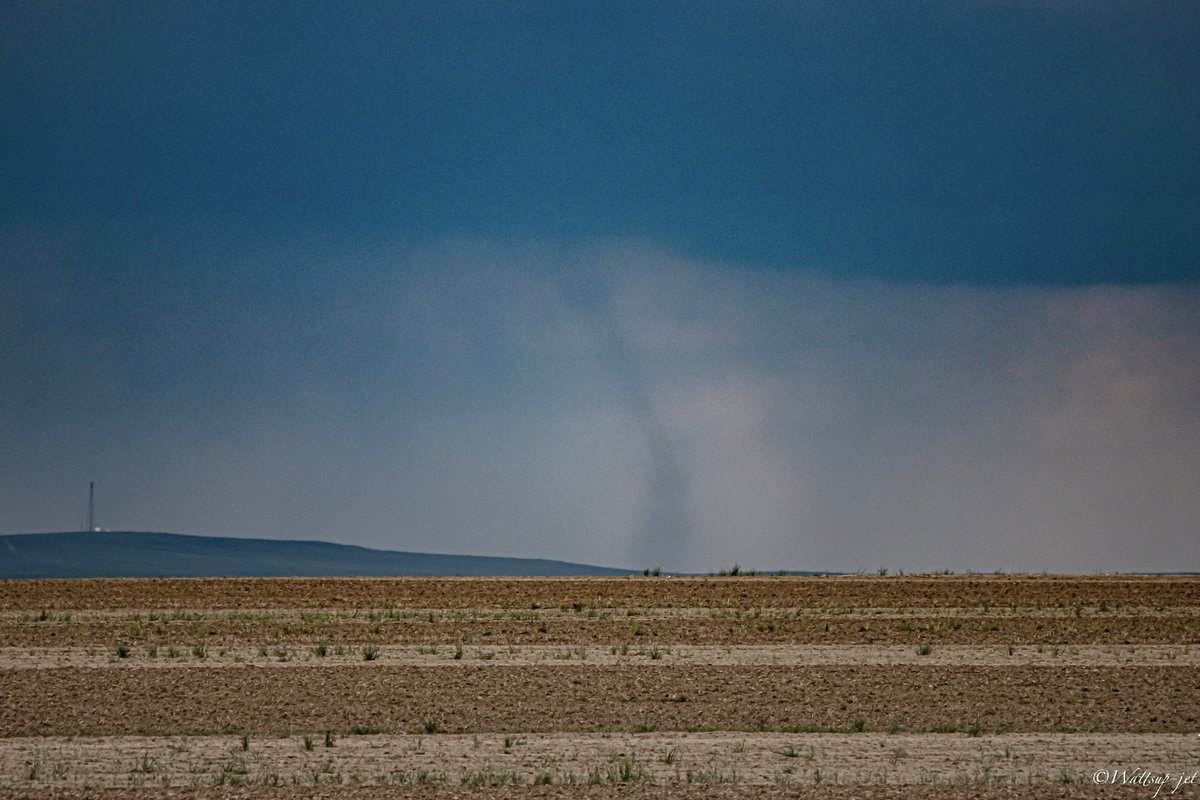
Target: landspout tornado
point(663, 529)
point(665, 526)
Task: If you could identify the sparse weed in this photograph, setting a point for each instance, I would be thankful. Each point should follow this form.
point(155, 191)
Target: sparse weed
point(488, 777)
point(627, 770)
point(712, 775)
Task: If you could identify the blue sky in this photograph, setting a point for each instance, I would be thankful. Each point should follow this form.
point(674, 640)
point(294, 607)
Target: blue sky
point(826, 285)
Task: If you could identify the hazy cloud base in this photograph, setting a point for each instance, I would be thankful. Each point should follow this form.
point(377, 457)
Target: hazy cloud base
point(607, 402)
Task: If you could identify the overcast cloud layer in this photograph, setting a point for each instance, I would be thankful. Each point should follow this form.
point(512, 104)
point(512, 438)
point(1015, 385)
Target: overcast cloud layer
point(608, 403)
point(825, 284)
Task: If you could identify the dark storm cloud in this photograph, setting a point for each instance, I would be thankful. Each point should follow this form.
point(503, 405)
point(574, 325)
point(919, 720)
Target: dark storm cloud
point(983, 142)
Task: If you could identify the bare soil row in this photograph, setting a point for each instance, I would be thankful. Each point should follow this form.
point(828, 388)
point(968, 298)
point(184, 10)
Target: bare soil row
point(662, 656)
point(940, 591)
point(495, 760)
point(927, 790)
point(537, 698)
point(606, 629)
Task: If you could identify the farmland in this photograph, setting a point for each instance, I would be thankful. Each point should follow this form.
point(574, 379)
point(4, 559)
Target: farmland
point(963, 686)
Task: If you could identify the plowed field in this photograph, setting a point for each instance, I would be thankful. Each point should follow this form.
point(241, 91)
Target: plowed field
point(946, 686)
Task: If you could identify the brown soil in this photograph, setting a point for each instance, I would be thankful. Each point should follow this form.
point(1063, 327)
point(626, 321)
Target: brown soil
point(72, 701)
point(698, 758)
point(941, 591)
point(963, 686)
point(554, 628)
point(447, 655)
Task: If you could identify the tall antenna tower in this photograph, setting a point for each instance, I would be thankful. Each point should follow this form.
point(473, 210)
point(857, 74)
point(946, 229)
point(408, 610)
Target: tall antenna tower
point(91, 506)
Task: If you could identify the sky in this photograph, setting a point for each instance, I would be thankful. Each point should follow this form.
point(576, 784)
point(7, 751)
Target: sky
point(824, 286)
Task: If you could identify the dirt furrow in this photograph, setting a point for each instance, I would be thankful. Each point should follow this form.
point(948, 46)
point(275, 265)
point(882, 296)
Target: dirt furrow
point(940, 591)
point(583, 698)
point(450, 654)
point(604, 630)
point(497, 760)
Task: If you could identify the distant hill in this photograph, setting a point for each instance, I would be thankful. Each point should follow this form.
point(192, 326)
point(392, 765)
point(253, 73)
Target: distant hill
point(130, 554)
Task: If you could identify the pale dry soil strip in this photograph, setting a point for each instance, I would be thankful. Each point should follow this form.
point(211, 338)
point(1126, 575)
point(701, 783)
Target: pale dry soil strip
point(50, 617)
point(21, 658)
point(695, 758)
